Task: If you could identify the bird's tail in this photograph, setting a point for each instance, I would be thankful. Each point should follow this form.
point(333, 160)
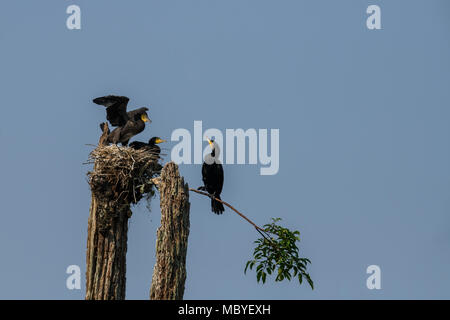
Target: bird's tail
point(216, 206)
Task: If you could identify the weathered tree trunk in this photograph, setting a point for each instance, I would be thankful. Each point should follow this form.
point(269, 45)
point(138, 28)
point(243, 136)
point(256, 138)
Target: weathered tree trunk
point(106, 252)
point(106, 245)
point(169, 273)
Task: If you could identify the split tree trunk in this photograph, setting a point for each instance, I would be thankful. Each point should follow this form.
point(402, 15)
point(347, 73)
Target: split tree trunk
point(106, 247)
point(169, 273)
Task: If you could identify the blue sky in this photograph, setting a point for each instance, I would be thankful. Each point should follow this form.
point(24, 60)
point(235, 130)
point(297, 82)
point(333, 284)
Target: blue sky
point(363, 118)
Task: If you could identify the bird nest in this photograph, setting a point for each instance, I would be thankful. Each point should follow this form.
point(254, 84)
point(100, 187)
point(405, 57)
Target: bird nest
point(122, 174)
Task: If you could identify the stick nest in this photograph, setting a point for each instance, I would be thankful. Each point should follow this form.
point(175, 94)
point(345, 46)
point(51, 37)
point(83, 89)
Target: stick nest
point(122, 174)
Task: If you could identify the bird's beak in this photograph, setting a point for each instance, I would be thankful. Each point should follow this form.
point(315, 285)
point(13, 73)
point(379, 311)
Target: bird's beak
point(144, 118)
point(160, 141)
point(210, 142)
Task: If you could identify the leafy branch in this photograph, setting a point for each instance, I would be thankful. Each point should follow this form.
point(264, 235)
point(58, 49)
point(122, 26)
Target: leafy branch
point(275, 251)
point(280, 254)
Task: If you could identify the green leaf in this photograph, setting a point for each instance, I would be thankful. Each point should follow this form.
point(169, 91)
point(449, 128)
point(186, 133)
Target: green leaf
point(309, 281)
point(258, 276)
point(278, 250)
point(246, 266)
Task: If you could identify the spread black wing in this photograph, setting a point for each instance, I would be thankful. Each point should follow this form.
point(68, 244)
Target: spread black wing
point(116, 109)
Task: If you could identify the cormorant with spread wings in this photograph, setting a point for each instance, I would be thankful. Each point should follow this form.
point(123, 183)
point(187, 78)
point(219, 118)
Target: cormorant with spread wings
point(128, 124)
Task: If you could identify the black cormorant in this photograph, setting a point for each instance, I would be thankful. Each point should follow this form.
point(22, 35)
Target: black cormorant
point(151, 146)
point(212, 174)
point(128, 124)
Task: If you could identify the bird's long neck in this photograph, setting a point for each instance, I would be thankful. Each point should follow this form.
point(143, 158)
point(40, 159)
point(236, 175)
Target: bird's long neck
point(140, 125)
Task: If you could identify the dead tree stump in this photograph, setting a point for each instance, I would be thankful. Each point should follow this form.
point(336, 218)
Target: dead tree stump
point(106, 247)
point(169, 273)
point(121, 177)
point(106, 252)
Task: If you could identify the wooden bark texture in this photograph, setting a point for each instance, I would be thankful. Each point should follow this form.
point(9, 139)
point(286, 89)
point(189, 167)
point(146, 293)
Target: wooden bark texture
point(169, 273)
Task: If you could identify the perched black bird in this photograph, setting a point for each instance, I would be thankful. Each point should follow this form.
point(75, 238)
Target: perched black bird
point(212, 174)
point(128, 124)
point(151, 146)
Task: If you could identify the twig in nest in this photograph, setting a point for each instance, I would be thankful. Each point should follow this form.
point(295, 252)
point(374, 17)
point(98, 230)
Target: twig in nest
point(156, 181)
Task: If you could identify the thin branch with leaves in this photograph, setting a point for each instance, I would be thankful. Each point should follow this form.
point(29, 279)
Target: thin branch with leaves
point(276, 250)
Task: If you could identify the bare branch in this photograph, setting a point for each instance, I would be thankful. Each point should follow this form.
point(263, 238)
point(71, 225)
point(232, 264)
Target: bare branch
point(259, 229)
